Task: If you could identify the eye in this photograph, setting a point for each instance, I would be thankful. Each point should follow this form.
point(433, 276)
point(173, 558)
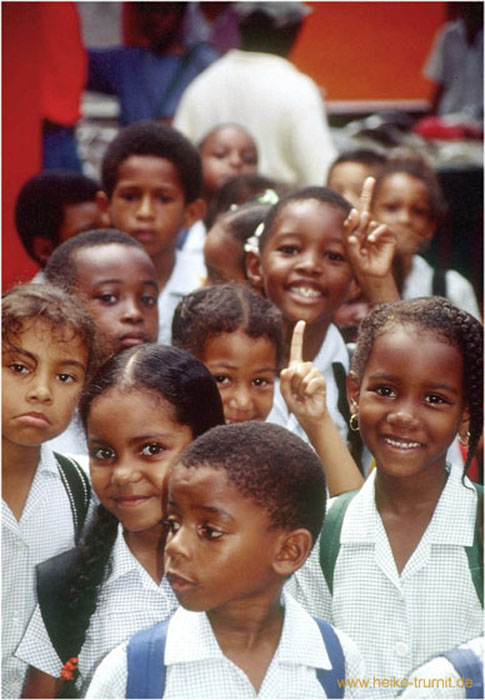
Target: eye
point(390, 206)
point(261, 382)
point(210, 533)
point(152, 449)
point(18, 368)
point(386, 392)
point(435, 399)
point(66, 378)
point(165, 198)
point(172, 524)
point(102, 454)
point(288, 249)
point(249, 159)
point(108, 298)
point(221, 379)
point(148, 300)
point(334, 256)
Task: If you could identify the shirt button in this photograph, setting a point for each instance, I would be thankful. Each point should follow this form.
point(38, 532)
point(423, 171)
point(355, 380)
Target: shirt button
point(401, 649)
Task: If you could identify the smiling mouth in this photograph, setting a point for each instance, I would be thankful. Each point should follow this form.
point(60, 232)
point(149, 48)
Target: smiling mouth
point(306, 292)
point(130, 501)
point(401, 443)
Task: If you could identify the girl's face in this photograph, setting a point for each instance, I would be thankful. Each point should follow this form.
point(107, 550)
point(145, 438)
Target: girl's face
point(118, 286)
point(402, 202)
point(303, 267)
point(227, 153)
point(41, 383)
point(133, 439)
point(244, 369)
point(410, 401)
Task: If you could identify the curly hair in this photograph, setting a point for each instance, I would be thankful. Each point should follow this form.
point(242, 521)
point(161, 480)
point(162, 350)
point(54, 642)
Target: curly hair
point(271, 466)
point(452, 325)
point(225, 308)
point(152, 138)
point(25, 304)
point(324, 195)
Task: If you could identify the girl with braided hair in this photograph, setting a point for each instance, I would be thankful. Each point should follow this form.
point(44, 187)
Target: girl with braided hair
point(399, 565)
point(140, 412)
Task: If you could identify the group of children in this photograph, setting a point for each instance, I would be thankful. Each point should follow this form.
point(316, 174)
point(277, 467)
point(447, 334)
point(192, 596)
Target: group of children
point(194, 497)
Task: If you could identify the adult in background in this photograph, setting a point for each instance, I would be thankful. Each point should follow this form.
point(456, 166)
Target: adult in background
point(260, 89)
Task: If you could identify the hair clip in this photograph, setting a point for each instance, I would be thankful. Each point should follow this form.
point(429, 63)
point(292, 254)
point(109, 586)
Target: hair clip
point(252, 243)
point(268, 197)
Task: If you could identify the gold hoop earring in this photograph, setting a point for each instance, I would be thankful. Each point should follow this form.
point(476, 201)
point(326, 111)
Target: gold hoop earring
point(354, 423)
point(465, 442)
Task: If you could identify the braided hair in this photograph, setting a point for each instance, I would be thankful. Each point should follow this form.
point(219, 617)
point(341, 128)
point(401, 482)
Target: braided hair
point(454, 326)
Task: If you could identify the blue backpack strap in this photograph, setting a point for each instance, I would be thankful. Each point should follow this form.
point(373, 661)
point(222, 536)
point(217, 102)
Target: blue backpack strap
point(468, 666)
point(328, 678)
point(330, 536)
point(145, 655)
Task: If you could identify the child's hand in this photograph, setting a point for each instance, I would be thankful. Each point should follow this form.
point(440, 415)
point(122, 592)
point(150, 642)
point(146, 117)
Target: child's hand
point(302, 384)
point(370, 248)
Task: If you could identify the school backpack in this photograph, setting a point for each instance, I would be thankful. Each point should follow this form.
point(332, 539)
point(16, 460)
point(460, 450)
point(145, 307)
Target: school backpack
point(146, 671)
point(78, 490)
point(468, 666)
point(330, 542)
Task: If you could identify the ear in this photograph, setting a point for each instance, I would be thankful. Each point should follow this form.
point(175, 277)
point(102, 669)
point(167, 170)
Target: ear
point(353, 392)
point(254, 271)
point(464, 426)
point(42, 249)
point(294, 548)
point(194, 211)
point(103, 203)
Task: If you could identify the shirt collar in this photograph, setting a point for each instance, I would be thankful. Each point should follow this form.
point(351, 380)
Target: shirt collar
point(124, 563)
point(47, 462)
point(190, 638)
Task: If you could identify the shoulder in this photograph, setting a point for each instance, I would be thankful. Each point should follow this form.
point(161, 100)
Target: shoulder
point(109, 680)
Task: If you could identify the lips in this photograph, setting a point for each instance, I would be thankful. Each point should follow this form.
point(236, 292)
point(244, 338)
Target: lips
point(179, 583)
point(144, 235)
point(34, 419)
point(131, 501)
point(400, 443)
point(305, 292)
point(131, 339)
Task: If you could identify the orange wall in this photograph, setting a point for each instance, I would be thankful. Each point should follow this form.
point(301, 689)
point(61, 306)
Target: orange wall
point(369, 50)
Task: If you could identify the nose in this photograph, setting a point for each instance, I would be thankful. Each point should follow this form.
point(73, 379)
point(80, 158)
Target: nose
point(240, 399)
point(177, 544)
point(40, 389)
point(309, 262)
point(404, 215)
point(403, 416)
point(235, 160)
point(131, 311)
point(125, 472)
point(145, 209)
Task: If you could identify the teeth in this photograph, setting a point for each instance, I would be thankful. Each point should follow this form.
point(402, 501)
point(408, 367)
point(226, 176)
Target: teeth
point(402, 444)
point(306, 292)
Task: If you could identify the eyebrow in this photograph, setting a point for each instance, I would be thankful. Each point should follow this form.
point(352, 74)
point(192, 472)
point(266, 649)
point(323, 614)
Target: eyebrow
point(211, 510)
point(72, 362)
point(152, 283)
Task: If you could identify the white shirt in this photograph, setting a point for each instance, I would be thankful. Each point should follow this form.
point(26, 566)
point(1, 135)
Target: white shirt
point(333, 349)
point(44, 530)
point(128, 601)
point(459, 67)
point(197, 668)
point(419, 283)
point(399, 621)
point(438, 678)
point(281, 108)
point(189, 273)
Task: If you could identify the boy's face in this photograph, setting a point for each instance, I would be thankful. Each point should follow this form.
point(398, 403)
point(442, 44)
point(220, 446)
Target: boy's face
point(402, 202)
point(77, 218)
point(148, 203)
point(227, 153)
point(347, 179)
point(41, 383)
point(117, 285)
point(303, 266)
point(220, 548)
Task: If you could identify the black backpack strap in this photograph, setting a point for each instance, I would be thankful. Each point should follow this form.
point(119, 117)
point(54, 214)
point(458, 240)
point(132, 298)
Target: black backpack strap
point(145, 655)
point(475, 552)
point(438, 284)
point(353, 438)
point(53, 583)
point(470, 668)
point(330, 536)
point(78, 490)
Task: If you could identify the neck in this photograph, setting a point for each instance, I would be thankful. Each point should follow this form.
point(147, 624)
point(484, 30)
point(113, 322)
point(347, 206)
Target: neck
point(146, 547)
point(19, 464)
point(401, 495)
point(314, 336)
point(244, 623)
point(164, 262)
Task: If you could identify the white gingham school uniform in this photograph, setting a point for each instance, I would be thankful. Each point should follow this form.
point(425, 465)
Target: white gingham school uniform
point(44, 530)
point(399, 621)
point(128, 601)
point(197, 668)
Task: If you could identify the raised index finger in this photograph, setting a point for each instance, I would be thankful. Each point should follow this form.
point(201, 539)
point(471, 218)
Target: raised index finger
point(296, 349)
point(366, 194)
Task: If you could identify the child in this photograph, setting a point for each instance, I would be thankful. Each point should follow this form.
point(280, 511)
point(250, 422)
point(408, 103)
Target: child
point(237, 334)
point(302, 267)
point(349, 171)
point(402, 584)
point(52, 207)
point(140, 412)
point(407, 197)
point(245, 503)
point(48, 351)
point(152, 181)
point(226, 151)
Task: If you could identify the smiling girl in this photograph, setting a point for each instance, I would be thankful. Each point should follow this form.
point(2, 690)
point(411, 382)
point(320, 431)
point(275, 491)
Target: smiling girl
point(140, 412)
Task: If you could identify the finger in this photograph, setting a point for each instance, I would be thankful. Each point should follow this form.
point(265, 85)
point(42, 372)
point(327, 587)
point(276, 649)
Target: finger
point(366, 194)
point(296, 349)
